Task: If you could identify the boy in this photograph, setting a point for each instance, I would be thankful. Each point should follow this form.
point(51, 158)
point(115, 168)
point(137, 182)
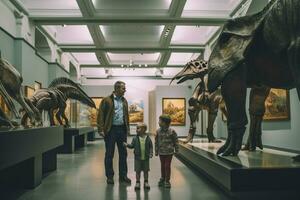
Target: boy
point(143, 151)
point(166, 144)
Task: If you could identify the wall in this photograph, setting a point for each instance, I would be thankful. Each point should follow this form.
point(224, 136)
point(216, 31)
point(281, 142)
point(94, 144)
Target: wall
point(29, 64)
point(7, 19)
point(142, 89)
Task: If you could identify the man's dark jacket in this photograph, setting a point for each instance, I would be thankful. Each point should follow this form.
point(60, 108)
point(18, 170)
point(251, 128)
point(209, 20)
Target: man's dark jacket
point(106, 113)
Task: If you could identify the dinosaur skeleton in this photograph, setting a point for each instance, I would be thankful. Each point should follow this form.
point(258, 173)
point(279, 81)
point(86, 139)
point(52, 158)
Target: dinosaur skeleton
point(11, 88)
point(201, 99)
point(55, 97)
point(259, 51)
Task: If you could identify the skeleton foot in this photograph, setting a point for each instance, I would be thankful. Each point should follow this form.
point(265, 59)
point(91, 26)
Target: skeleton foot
point(253, 142)
point(212, 139)
point(249, 147)
point(235, 144)
point(190, 136)
point(224, 147)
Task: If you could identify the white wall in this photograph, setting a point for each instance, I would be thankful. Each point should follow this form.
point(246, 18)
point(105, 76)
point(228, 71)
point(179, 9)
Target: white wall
point(7, 19)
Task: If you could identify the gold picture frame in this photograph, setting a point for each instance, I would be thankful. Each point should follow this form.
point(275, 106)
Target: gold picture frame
point(29, 91)
point(176, 108)
point(277, 105)
point(37, 85)
point(136, 111)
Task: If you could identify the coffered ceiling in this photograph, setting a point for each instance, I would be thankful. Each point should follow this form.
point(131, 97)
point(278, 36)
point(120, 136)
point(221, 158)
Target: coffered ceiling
point(111, 34)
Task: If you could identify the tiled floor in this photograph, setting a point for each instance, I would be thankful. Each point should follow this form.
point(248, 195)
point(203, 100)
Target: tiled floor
point(80, 176)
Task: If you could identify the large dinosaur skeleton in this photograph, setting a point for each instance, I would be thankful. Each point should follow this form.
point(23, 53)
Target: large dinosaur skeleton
point(11, 88)
point(259, 51)
point(55, 97)
point(201, 99)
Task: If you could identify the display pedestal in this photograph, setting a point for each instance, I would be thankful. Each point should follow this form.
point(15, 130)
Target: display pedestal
point(75, 138)
point(27, 154)
point(259, 174)
point(91, 135)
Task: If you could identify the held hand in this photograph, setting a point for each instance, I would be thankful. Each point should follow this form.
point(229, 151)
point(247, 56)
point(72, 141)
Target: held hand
point(101, 133)
point(151, 155)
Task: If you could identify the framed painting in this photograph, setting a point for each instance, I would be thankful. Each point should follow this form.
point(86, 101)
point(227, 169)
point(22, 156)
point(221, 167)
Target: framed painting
point(175, 107)
point(29, 91)
point(277, 105)
point(136, 111)
point(93, 112)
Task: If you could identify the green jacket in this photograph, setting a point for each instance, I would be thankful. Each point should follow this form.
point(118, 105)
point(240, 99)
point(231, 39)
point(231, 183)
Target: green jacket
point(106, 112)
point(135, 144)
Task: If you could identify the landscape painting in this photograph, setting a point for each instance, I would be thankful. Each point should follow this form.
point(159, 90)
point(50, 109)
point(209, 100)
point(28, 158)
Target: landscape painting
point(277, 105)
point(175, 107)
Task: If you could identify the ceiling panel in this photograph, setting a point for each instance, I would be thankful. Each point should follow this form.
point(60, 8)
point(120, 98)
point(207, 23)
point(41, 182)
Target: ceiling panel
point(133, 72)
point(130, 8)
point(193, 35)
point(86, 58)
point(137, 58)
point(93, 72)
point(132, 34)
point(71, 34)
point(182, 58)
point(53, 4)
point(52, 7)
point(209, 8)
point(171, 72)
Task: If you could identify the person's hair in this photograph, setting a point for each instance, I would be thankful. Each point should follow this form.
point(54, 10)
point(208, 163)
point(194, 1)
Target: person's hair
point(118, 84)
point(165, 118)
point(142, 125)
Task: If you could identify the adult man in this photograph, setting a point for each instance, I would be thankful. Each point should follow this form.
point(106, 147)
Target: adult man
point(113, 125)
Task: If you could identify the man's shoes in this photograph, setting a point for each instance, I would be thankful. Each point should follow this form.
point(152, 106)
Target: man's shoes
point(146, 185)
point(161, 182)
point(110, 181)
point(125, 180)
point(167, 184)
point(137, 186)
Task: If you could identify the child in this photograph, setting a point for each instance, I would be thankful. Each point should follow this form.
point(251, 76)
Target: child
point(166, 144)
point(143, 150)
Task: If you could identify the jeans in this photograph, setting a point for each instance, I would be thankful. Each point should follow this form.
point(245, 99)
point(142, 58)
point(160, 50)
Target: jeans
point(117, 134)
point(165, 161)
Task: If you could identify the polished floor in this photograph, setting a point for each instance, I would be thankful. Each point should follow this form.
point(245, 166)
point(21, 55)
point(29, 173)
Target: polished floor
point(81, 176)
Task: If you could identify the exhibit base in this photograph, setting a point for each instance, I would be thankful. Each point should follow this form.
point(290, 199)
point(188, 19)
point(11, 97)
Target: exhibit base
point(75, 138)
point(28, 154)
point(261, 174)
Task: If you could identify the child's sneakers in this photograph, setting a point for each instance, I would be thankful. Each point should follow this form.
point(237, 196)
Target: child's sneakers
point(167, 184)
point(137, 186)
point(161, 182)
point(146, 185)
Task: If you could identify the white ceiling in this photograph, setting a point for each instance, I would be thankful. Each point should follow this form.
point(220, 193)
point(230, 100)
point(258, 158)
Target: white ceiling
point(110, 33)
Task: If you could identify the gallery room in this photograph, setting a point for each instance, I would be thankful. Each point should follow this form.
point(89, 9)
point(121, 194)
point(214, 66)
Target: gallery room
point(149, 99)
